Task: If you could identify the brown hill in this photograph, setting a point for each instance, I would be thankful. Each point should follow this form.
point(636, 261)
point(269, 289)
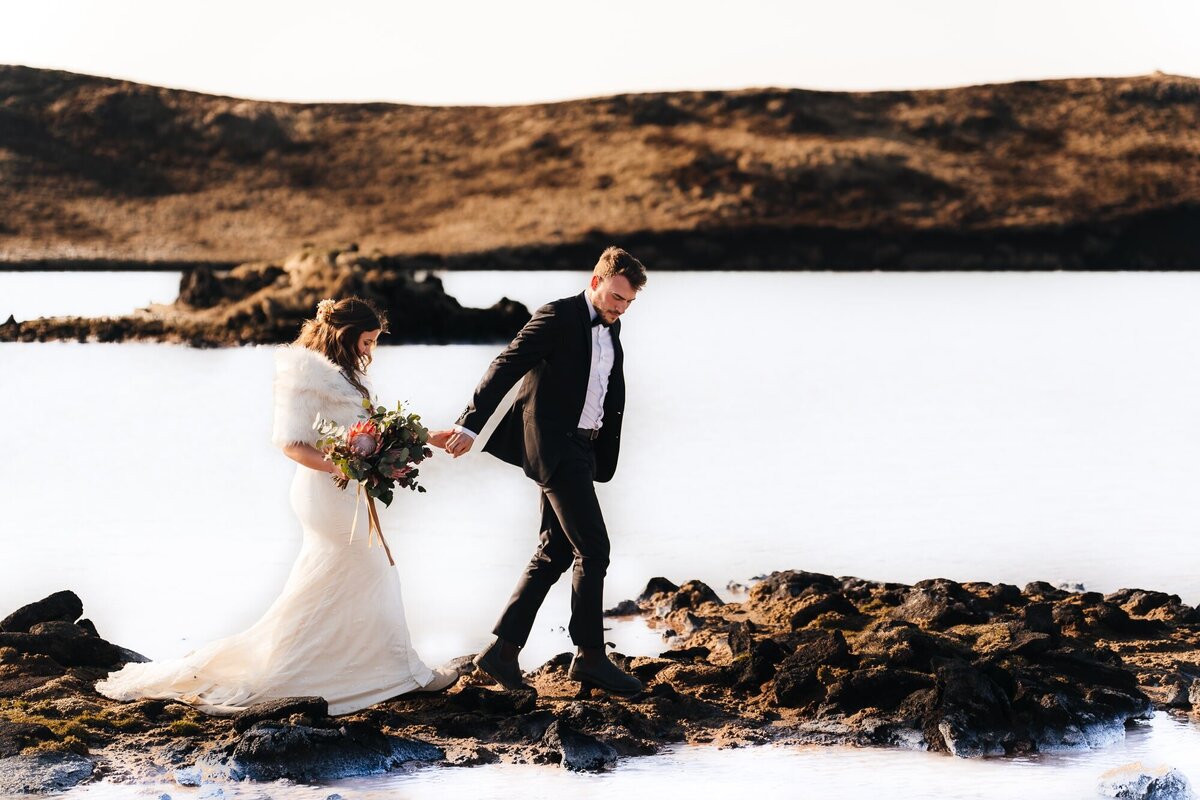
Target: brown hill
point(1077, 173)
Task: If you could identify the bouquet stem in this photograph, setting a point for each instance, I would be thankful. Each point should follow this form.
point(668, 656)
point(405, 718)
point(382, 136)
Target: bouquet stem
point(378, 529)
point(373, 527)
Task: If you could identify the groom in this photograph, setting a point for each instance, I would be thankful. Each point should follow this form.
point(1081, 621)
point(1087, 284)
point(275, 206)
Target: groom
point(564, 430)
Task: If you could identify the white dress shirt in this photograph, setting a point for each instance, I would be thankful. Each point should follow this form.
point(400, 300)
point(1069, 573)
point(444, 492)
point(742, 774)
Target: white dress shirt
point(602, 364)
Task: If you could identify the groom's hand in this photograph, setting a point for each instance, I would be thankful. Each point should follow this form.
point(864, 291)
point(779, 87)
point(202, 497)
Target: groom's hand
point(458, 444)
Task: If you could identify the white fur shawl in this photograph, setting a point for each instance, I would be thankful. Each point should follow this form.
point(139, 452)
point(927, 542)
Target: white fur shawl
point(309, 386)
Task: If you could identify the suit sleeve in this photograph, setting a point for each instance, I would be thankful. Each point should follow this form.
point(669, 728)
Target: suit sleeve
point(532, 344)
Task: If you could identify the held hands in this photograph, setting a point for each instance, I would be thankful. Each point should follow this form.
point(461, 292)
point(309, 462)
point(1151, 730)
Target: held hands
point(451, 441)
point(458, 444)
point(438, 439)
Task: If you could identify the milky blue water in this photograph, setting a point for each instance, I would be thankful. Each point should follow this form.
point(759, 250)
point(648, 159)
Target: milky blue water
point(1001, 427)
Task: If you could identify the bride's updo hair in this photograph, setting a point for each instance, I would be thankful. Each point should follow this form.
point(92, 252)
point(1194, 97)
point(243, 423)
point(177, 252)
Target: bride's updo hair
point(334, 334)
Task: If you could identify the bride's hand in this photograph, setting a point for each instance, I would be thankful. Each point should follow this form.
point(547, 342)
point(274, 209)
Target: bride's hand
point(339, 477)
point(438, 439)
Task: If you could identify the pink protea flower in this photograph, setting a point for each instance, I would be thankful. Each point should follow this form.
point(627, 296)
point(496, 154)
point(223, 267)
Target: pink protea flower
point(398, 473)
point(363, 438)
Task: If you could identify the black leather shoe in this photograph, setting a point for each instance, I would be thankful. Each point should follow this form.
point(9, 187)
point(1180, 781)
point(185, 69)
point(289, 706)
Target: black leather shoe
point(604, 675)
point(505, 673)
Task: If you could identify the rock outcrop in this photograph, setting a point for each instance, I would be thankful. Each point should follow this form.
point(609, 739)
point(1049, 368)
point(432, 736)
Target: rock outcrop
point(266, 303)
point(968, 669)
point(1139, 782)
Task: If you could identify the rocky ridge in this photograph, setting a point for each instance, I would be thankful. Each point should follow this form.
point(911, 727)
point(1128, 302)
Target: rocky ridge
point(1080, 173)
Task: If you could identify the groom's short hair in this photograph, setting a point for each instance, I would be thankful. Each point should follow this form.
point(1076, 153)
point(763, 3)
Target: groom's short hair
point(615, 261)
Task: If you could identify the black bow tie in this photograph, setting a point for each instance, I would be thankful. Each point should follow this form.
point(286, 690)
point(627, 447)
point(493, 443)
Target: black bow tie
point(599, 320)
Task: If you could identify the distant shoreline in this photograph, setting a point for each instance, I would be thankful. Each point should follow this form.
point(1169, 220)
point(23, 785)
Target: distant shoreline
point(1160, 240)
point(108, 265)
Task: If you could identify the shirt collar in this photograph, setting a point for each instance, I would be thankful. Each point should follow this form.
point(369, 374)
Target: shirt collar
point(587, 300)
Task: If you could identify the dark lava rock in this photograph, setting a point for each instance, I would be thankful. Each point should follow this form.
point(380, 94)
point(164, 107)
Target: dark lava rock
point(902, 644)
point(265, 303)
point(1010, 637)
point(488, 701)
point(528, 728)
point(875, 687)
point(796, 681)
point(1068, 616)
point(88, 627)
point(625, 608)
point(692, 595)
point(793, 583)
point(657, 586)
point(741, 636)
point(937, 604)
point(271, 751)
point(72, 649)
point(59, 628)
point(556, 663)
point(758, 666)
point(686, 654)
point(28, 672)
point(44, 772)
point(1040, 590)
point(995, 598)
point(1177, 697)
point(1010, 681)
point(48, 628)
point(16, 736)
point(313, 707)
point(1139, 782)
point(686, 623)
point(819, 604)
point(1039, 617)
point(1115, 620)
point(577, 751)
point(1140, 603)
point(974, 717)
point(1090, 666)
point(58, 607)
point(1030, 643)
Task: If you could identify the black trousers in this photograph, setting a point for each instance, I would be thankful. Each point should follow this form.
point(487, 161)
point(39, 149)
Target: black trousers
point(572, 532)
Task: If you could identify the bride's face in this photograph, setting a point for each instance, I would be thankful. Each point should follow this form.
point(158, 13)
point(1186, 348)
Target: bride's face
point(367, 341)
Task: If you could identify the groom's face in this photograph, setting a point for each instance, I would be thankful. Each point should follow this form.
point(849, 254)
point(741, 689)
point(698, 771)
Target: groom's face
point(612, 296)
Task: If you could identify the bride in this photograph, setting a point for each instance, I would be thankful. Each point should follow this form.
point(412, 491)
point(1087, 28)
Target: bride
point(338, 629)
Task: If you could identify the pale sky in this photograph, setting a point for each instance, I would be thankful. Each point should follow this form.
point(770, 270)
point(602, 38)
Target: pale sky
point(519, 52)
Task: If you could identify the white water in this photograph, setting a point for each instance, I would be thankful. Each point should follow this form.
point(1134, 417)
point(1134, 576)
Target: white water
point(1002, 427)
point(704, 772)
point(27, 295)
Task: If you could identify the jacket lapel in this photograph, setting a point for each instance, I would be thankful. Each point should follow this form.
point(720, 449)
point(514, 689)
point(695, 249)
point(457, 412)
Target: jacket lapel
point(618, 351)
point(585, 320)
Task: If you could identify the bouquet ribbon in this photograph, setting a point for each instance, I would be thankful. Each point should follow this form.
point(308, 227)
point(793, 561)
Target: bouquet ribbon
point(373, 527)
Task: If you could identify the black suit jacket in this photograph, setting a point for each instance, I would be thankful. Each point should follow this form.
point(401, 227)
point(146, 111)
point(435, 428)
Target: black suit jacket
point(554, 354)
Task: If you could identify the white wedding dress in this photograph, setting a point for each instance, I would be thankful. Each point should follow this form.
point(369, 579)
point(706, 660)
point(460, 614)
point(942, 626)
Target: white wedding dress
point(338, 629)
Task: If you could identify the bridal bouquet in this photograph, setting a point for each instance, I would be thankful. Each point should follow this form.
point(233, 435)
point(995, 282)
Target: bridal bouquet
point(379, 453)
